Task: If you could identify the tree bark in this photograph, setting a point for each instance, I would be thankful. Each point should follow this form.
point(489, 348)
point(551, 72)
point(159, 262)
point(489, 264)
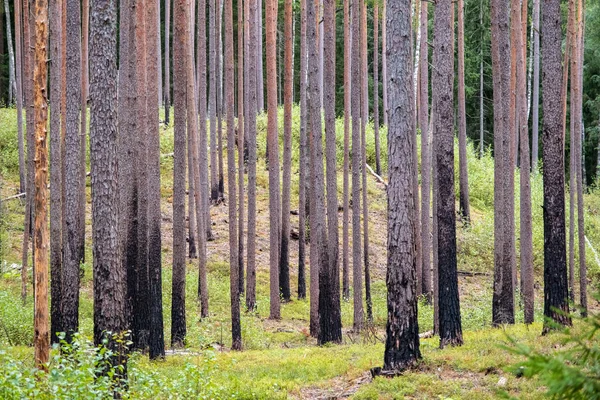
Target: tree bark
point(11, 56)
point(503, 297)
point(462, 119)
point(284, 264)
point(85, 22)
point(302, 194)
point(167, 68)
point(346, 183)
point(56, 171)
point(425, 157)
point(402, 329)
point(376, 86)
point(73, 218)
point(241, 132)
point(212, 100)
point(535, 107)
point(384, 65)
point(180, 74)
point(157, 340)
point(356, 165)
point(40, 237)
point(19, 82)
point(109, 273)
point(273, 143)
point(442, 80)
point(252, 99)
point(219, 78)
point(236, 329)
point(260, 97)
point(555, 266)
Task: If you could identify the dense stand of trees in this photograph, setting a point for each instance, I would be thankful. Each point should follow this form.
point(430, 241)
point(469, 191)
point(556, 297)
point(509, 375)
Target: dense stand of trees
point(127, 89)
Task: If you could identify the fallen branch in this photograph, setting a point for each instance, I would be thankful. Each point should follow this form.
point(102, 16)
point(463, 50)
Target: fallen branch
point(426, 335)
point(16, 196)
point(377, 177)
point(470, 273)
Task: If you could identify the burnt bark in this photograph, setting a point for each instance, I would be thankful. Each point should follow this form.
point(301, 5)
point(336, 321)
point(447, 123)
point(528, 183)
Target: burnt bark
point(462, 119)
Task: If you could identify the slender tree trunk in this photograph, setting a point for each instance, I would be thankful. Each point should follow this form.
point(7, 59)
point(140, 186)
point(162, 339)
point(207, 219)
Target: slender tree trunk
point(578, 165)
point(536, 87)
point(236, 330)
point(376, 86)
point(555, 266)
point(273, 139)
point(384, 65)
point(364, 120)
point(302, 194)
point(330, 319)
point(11, 56)
point(252, 99)
point(157, 340)
point(219, 78)
point(73, 221)
point(442, 80)
point(203, 187)
point(402, 339)
point(191, 239)
point(346, 184)
point(503, 297)
point(141, 319)
point(356, 165)
point(241, 132)
point(526, 236)
point(425, 156)
point(109, 273)
point(56, 171)
point(481, 94)
point(85, 21)
point(19, 92)
point(212, 100)
point(434, 224)
point(284, 264)
point(167, 71)
point(40, 237)
point(462, 119)
point(180, 74)
point(572, 153)
point(260, 86)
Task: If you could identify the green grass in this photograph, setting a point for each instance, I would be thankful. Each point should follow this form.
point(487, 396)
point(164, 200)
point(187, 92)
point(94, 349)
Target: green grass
point(280, 360)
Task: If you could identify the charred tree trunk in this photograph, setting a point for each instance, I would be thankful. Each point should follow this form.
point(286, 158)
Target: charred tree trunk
point(462, 119)
point(302, 194)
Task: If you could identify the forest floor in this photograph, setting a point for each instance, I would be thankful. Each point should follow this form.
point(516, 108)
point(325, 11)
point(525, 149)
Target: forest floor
point(280, 359)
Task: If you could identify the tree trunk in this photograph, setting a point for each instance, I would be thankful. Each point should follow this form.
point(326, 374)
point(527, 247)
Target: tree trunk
point(462, 119)
point(19, 82)
point(402, 329)
point(11, 56)
point(56, 171)
point(535, 107)
point(356, 165)
point(425, 156)
point(526, 236)
point(578, 116)
point(241, 132)
point(109, 273)
point(252, 74)
point(85, 19)
point(364, 121)
point(41, 338)
point(330, 319)
point(180, 74)
point(73, 221)
point(202, 192)
point(302, 201)
point(434, 225)
point(212, 100)
point(555, 267)
point(384, 65)
point(272, 140)
point(376, 86)
point(284, 264)
point(260, 97)
point(167, 77)
point(503, 297)
point(236, 329)
point(141, 322)
point(219, 77)
point(481, 94)
point(442, 81)
point(157, 340)
point(191, 239)
point(346, 184)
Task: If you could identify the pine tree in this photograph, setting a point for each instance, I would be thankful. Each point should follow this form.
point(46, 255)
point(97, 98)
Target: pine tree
point(462, 119)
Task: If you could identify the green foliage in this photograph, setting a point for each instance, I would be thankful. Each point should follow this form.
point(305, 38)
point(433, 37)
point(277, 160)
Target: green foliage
point(16, 320)
point(9, 154)
point(572, 371)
